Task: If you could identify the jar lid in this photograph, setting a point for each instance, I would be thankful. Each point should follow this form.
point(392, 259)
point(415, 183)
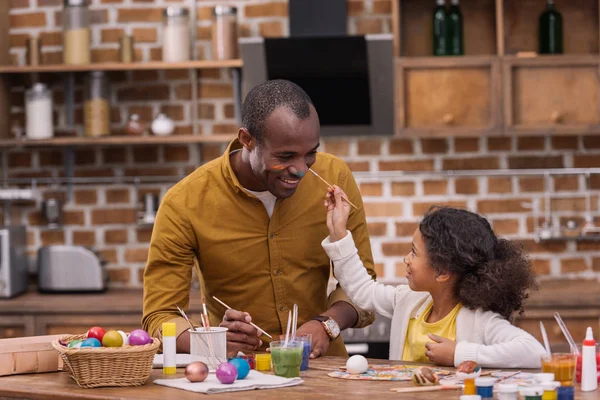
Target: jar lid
point(175, 12)
point(39, 87)
point(550, 385)
point(485, 382)
point(565, 390)
point(543, 377)
point(224, 10)
point(76, 3)
point(470, 397)
point(507, 388)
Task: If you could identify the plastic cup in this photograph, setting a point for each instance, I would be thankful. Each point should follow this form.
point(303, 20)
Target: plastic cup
point(286, 360)
point(306, 339)
point(562, 365)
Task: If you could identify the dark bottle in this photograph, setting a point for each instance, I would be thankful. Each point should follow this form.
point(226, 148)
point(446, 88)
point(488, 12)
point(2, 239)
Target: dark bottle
point(440, 29)
point(551, 30)
point(455, 30)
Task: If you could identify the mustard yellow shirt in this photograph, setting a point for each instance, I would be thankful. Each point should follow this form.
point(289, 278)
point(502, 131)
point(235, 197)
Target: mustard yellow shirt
point(251, 262)
point(418, 328)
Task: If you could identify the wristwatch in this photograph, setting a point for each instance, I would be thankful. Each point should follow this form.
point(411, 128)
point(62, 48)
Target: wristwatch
point(331, 327)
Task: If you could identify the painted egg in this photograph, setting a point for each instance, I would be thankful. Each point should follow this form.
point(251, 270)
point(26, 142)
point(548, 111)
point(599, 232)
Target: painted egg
point(112, 339)
point(424, 376)
point(75, 344)
point(242, 366)
point(357, 364)
point(226, 373)
point(139, 337)
point(468, 370)
point(95, 332)
point(125, 338)
point(196, 371)
point(91, 342)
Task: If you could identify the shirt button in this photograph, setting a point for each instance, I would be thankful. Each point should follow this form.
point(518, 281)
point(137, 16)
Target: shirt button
point(272, 235)
point(257, 203)
point(277, 272)
point(281, 308)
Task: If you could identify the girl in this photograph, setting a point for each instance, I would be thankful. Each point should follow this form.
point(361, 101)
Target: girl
point(464, 283)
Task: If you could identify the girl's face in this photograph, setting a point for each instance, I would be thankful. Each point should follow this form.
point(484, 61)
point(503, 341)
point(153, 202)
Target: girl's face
point(420, 274)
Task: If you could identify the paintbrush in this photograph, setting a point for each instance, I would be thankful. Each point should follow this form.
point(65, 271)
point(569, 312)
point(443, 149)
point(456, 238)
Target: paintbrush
point(186, 318)
point(251, 323)
point(426, 388)
point(328, 184)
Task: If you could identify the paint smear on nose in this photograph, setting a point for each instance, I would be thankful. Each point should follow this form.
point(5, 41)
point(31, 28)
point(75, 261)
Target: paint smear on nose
point(296, 172)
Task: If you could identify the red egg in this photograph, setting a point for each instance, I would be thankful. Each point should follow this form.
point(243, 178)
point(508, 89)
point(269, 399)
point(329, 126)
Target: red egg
point(196, 371)
point(95, 332)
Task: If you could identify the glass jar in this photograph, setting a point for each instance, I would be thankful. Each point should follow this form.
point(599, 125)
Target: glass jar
point(76, 35)
point(96, 107)
point(176, 35)
point(224, 33)
point(38, 112)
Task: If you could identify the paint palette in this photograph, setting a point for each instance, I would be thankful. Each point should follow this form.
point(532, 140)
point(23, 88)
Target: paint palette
point(385, 373)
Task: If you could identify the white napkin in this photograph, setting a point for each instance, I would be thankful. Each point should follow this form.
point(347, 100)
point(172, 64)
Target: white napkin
point(254, 380)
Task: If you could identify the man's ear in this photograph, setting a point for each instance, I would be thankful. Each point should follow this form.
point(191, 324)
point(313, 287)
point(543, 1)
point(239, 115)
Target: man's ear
point(246, 139)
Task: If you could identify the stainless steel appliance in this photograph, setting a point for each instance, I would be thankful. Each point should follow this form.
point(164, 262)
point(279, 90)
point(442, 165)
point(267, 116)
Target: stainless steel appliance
point(13, 261)
point(70, 269)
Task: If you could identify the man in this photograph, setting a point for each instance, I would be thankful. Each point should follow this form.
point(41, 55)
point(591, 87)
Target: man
point(253, 220)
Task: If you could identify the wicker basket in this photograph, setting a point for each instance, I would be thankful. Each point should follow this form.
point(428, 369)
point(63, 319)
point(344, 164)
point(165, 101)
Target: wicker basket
point(107, 366)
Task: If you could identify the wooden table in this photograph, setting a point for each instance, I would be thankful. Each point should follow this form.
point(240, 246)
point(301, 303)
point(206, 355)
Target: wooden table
point(317, 384)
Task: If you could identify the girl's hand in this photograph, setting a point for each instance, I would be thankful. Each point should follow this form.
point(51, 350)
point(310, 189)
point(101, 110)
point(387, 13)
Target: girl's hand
point(441, 351)
point(337, 213)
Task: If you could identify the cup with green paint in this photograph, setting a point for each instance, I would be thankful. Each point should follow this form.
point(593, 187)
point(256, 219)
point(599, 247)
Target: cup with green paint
point(286, 358)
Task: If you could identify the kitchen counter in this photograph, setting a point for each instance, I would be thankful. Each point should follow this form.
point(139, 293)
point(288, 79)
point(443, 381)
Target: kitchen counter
point(58, 385)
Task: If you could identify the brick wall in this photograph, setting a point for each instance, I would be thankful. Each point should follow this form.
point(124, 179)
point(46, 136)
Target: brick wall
point(105, 216)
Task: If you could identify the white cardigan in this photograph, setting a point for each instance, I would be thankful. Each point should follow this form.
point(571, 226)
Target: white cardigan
point(481, 336)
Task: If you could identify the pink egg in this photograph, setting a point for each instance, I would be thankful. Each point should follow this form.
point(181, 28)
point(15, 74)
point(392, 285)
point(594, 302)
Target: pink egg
point(139, 337)
point(226, 373)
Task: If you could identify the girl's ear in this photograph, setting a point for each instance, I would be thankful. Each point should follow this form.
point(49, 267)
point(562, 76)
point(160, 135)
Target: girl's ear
point(443, 277)
point(246, 139)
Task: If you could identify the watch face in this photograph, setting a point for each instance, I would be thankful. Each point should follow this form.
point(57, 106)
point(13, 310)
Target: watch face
point(333, 328)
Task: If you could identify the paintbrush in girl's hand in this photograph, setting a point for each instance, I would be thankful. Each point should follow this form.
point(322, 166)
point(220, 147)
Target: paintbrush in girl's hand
point(328, 184)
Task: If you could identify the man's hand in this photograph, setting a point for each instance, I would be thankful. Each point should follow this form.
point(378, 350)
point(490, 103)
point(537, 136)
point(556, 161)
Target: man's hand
point(320, 339)
point(241, 336)
point(441, 350)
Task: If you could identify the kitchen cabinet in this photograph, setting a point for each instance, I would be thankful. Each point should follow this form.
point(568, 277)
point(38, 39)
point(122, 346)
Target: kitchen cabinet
point(500, 85)
point(456, 96)
point(552, 95)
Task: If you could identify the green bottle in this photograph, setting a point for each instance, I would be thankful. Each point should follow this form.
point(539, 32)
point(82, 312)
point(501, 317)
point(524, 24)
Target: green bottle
point(455, 29)
point(551, 30)
point(440, 29)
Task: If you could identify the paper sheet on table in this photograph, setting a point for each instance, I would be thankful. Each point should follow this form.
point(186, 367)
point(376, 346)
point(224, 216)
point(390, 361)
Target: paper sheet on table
point(254, 380)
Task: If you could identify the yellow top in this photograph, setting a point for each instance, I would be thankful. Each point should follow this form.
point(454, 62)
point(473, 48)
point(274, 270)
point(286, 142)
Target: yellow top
point(418, 328)
point(169, 329)
point(251, 262)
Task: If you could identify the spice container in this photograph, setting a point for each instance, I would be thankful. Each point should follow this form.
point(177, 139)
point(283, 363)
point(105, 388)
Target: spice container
point(176, 35)
point(34, 51)
point(571, 230)
point(76, 35)
point(134, 126)
point(96, 107)
point(162, 125)
point(126, 52)
point(224, 33)
point(38, 112)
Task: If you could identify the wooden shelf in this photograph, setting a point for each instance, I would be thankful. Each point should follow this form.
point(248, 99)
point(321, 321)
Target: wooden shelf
point(118, 66)
point(589, 238)
point(116, 140)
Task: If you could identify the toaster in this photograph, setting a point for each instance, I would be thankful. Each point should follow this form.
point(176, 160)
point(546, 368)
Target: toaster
point(70, 269)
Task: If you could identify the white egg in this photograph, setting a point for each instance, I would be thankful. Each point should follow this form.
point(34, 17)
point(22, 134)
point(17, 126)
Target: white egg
point(357, 364)
point(125, 338)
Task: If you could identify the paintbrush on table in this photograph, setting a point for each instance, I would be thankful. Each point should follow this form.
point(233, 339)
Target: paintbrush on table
point(329, 185)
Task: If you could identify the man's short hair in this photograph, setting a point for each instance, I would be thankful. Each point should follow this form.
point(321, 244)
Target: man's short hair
point(265, 98)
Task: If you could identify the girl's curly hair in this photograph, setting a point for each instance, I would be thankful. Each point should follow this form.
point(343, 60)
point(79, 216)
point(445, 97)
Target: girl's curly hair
point(491, 273)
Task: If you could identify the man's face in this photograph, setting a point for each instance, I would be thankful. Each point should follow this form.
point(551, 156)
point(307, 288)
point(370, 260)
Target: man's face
point(288, 149)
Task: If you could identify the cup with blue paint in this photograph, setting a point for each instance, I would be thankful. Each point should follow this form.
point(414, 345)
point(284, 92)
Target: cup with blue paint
point(306, 340)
